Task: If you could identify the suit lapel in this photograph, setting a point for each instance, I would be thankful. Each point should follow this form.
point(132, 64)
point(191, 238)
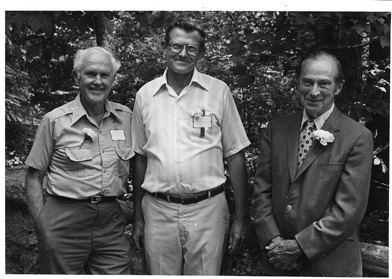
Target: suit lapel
point(332, 125)
point(293, 143)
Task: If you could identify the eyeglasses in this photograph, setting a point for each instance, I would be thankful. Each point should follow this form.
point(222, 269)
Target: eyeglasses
point(190, 49)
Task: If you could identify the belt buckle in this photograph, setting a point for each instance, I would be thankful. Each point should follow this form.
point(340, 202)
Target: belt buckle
point(96, 199)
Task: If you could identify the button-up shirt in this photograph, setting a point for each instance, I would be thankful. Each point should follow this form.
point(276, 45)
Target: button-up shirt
point(185, 137)
point(82, 163)
point(319, 120)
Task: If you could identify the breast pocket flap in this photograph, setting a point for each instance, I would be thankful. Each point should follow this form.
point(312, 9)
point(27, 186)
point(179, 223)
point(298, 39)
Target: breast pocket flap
point(125, 153)
point(79, 155)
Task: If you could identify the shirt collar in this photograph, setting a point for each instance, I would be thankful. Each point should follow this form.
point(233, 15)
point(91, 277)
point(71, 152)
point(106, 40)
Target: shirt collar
point(196, 78)
point(319, 120)
point(79, 111)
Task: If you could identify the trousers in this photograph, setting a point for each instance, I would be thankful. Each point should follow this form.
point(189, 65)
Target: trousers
point(185, 239)
point(78, 237)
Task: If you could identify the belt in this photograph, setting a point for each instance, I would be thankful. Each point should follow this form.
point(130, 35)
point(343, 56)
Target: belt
point(93, 199)
point(189, 200)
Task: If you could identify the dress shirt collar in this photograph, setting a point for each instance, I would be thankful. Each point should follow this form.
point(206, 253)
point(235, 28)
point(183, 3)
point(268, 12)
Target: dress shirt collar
point(320, 120)
point(79, 111)
point(196, 78)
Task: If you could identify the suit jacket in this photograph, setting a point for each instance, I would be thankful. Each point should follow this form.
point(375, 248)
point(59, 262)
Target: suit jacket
point(322, 203)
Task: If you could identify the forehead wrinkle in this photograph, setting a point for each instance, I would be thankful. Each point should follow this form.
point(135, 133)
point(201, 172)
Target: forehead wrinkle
point(181, 36)
point(102, 63)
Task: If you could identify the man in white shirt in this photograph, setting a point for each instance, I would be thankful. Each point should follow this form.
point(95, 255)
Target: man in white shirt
point(184, 124)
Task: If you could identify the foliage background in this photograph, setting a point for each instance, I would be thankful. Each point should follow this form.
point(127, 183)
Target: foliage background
point(254, 52)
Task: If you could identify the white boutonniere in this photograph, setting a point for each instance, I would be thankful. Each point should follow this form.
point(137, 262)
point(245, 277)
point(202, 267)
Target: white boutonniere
point(197, 112)
point(324, 137)
point(89, 134)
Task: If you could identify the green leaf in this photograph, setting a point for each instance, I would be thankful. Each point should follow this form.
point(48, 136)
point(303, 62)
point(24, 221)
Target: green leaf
point(47, 23)
point(246, 80)
point(360, 28)
point(236, 47)
point(256, 47)
point(387, 28)
point(384, 41)
point(238, 69)
point(33, 51)
point(301, 19)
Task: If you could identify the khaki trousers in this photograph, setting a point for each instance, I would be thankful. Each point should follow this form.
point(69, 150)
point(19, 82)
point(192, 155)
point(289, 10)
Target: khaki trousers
point(185, 239)
point(78, 237)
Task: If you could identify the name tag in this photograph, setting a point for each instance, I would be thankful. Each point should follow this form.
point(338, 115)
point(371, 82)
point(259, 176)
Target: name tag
point(117, 134)
point(202, 121)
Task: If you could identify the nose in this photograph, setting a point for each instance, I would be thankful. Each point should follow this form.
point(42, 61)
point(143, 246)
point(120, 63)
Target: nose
point(183, 52)
point(98, 79)
point(315, 91)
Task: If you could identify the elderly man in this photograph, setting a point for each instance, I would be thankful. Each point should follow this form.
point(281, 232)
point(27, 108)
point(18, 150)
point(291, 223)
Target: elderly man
point(312, 181)
point(85, 148)
point(184, 124)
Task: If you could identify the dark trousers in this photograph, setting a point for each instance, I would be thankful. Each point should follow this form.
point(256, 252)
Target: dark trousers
point(78, 237)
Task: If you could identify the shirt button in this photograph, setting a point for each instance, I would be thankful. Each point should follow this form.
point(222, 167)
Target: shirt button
point(289, 207)
point(79, 157)
point(103, 150)
point(177, 161)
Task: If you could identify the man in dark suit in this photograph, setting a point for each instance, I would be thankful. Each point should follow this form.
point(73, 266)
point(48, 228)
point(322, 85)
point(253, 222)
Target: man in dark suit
point(312, 180)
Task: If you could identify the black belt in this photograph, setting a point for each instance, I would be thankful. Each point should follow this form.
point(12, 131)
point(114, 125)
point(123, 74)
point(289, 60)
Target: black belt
point(189, 200)
point(93, 199)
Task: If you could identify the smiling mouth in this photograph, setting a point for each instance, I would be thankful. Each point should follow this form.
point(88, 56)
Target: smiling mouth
point(313, 101)
point(97, 89)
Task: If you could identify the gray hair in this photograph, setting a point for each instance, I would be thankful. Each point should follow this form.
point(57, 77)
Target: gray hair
point(82, 53)
point(339, 78)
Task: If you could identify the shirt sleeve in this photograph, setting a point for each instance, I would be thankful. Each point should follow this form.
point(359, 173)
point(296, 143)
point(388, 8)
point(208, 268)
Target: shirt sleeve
point(138, 133)
point(234, 137)
point(42, 150)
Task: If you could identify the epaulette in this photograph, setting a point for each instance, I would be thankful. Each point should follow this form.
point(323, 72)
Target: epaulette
point(60, 111)
point(120, 107)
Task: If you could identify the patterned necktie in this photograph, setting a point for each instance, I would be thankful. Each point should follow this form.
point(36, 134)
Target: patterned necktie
point(306, 140)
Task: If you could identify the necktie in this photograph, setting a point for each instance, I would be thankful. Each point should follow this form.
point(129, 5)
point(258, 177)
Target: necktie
point(306, 140)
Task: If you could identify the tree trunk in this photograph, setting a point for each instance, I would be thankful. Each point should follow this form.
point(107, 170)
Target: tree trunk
point(100, 29)
point(375, 260)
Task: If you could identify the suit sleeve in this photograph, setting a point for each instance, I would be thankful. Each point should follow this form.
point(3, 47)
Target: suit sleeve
point(347, 210)
point(266, 227)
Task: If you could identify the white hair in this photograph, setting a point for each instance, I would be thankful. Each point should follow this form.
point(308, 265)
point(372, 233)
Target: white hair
point(81, 54)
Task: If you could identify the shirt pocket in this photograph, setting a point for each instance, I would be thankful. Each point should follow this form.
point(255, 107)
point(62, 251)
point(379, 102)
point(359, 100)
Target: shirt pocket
point(80, 162)
point(211, 134)
point(124, 155)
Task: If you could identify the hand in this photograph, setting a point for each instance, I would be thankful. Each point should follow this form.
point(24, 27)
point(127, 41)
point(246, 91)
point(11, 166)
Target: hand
point(274, 242)
point(284, 254)
point(138, 233)
point(237, 236)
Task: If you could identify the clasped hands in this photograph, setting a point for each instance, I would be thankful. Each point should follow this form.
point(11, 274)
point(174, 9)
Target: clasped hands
point(284, 253)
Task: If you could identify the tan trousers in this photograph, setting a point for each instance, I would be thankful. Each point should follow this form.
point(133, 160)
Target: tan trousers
point(185, 239)
point(76, 238)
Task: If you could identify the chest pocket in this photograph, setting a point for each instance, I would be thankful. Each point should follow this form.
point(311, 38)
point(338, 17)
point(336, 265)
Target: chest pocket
point(210, 133)
point(80, 159)
point(124, 154)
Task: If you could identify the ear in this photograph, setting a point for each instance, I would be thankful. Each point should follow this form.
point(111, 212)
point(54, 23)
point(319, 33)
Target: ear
point(76, 77)
point(339, 87)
